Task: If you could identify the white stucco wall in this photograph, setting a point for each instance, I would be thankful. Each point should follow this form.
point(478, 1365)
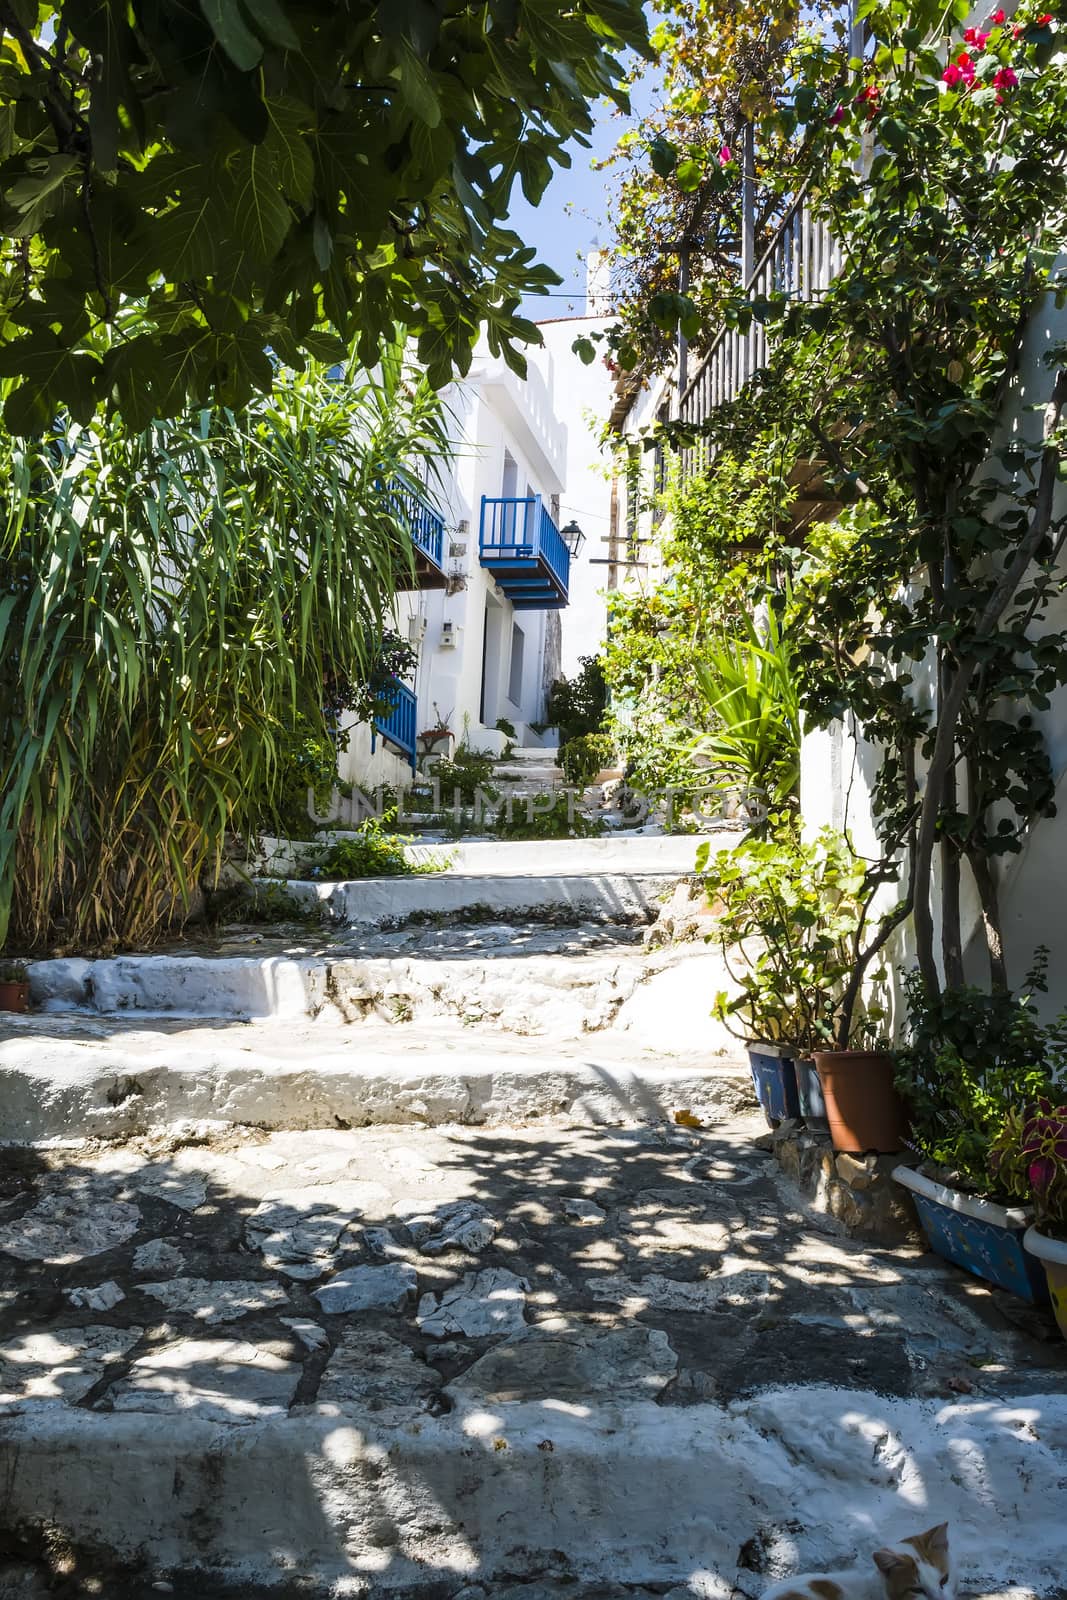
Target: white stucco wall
point(494, 415)
point(583, 396)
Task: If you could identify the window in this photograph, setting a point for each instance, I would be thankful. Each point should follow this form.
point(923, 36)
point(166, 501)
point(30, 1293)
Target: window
point(518, 646)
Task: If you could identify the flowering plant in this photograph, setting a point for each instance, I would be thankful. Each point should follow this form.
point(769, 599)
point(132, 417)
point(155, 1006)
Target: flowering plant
point(1029, 1160)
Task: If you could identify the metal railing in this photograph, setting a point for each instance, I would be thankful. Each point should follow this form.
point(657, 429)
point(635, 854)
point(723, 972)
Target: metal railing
point(799, 264)
point(427, 525)
point(518, 530)
point(397, 726)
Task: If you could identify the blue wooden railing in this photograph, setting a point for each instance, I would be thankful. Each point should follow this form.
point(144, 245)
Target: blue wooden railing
point(427, 525)
point(521, 544)
point(397, 726)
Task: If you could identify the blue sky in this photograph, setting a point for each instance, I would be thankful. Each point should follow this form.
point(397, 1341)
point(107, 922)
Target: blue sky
point(573, 215)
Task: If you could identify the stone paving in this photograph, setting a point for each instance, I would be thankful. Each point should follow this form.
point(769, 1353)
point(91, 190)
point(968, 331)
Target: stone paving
point(384, 1278)
point(505, 1262)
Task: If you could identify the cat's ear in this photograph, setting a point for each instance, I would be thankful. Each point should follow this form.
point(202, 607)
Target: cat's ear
point(936, 1539)
point(886, 1560)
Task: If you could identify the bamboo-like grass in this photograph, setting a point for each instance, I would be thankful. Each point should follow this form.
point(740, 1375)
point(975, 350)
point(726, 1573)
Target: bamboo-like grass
point(170, 602)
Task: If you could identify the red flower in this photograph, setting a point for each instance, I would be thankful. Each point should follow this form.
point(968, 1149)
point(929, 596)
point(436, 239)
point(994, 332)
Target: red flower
point(952, 75)
point(837, 116)
point(997, 18)
point(1044, 19)
point(972, 36)
point(724, 155)
point(1005, 78)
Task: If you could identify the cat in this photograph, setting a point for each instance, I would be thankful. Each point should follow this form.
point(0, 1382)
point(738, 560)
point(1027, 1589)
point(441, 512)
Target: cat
point(919, 1566)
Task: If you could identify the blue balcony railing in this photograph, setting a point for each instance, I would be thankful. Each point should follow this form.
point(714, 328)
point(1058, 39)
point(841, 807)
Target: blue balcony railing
point(526, 553)
point(397, 725)
point(427, 528)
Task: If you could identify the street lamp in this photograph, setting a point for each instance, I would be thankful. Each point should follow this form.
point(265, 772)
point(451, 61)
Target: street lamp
point(572, 537)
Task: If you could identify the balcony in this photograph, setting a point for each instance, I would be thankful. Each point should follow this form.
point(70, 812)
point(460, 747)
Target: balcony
point(525, 551)
point(396, 726)
point(799, 264)
point(427, 529)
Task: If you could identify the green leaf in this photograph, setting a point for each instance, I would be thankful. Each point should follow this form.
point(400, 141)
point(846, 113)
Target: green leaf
point(663, 156)
point(271, 21)
point(585, 350)
point(688, 175)
point(261, 216)
point(289, 150)
point(233, 34)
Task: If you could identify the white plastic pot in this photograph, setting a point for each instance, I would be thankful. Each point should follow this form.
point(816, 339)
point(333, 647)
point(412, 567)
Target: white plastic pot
point(1052, 1254)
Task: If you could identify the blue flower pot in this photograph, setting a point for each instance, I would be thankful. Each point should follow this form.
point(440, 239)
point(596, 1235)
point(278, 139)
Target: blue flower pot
point(980, 1236)
point(774, 1079)
point(809, 1094)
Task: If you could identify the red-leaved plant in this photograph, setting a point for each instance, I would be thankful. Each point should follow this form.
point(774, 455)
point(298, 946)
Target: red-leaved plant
point(1029, 1160)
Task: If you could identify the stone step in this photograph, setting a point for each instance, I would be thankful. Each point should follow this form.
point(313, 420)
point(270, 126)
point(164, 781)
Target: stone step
point(610, 896)
point(110, 1078)
point(396, 1365)
point(490, 973)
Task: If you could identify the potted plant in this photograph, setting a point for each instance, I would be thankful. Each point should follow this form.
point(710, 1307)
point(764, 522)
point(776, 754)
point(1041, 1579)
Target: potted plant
point(14, 986)
point(974, 1061)
point(786, 910)
point(1030, 1159)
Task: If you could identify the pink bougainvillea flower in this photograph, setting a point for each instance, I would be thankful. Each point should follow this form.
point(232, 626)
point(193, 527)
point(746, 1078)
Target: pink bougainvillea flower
point(1044, 19)
point(1005, 78)
point(973, 36)
point(998, 17)
point(837, 116)
point(724, 155)
point(952, 75)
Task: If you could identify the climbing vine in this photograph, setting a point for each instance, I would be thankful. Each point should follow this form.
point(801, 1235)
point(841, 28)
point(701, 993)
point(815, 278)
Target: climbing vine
point(926, 611)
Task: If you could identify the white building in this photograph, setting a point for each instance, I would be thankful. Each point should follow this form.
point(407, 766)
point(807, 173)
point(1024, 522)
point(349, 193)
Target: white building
point(494, 572)
point(583, 398)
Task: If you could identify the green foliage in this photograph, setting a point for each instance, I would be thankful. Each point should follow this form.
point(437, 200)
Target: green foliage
point(721, 70)
point(505, 727)
point(582, 758)
point(788, 910)
point(561, 820)
point(575, 706)
point(949, 204)
point(751, 697)
point(467, 771)
point(373, 852)
point(718, 546)
point(267, 902)
point(172, 606)
point(191, 193)
point(972, 1061)
point(14, 972)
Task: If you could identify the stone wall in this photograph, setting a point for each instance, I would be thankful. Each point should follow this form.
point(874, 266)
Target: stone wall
point(857, 1191)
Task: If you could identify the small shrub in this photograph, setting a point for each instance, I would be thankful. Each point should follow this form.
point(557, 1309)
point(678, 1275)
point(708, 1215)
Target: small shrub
point(972, 1062)
point(562, 821)
point(576, 705)
point(373, 852)
point(14, 972)
point(582, 758)
point(505, 727)
point(467, 771)
point(1028, 1160)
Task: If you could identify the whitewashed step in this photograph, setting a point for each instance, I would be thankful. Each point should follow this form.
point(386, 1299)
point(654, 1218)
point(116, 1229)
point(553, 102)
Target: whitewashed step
point(62, 1075)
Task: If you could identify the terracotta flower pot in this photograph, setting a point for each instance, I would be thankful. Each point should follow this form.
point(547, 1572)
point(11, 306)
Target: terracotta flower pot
point(862, 1106)
point(14, 996)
